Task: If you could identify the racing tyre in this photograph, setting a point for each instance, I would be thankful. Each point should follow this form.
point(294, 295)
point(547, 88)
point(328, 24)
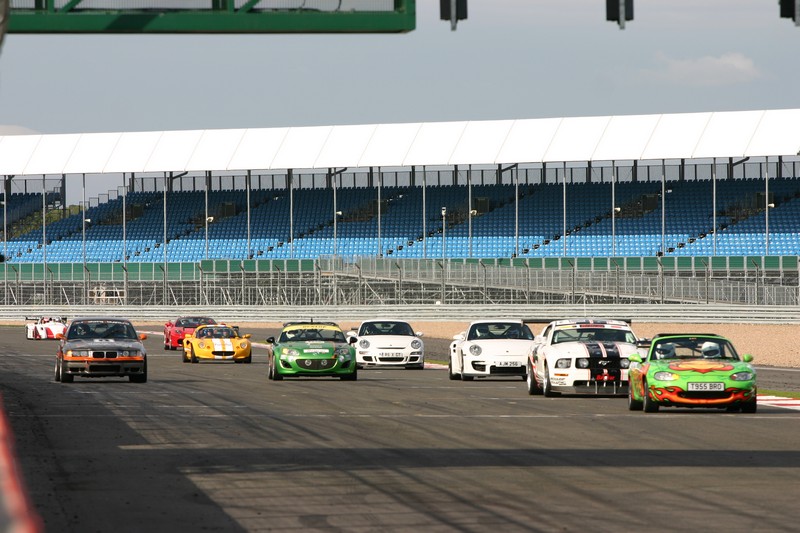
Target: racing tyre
point(65, 377)
point(57, 371)
point(192, 356)
point(419, 366)
point(139, 378)
point(465, 377)
point(274, 375)
point(633, 404)
point(547, 389)
point(750, 407)
point(650, 406)
point(452, 375)
point(350, 377)
point(533, 387)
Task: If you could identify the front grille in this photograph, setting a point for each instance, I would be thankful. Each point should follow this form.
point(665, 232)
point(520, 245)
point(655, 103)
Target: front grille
point(104, 355)
point(391, 359)
point(705, 395)
point(222, 352)
point(514, 370)
point(316, 364)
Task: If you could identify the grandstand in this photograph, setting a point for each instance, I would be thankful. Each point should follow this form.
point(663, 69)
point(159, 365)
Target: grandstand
point(321, 198)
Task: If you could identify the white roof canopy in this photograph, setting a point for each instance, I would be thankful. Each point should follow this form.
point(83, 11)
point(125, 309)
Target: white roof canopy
point(575, 139)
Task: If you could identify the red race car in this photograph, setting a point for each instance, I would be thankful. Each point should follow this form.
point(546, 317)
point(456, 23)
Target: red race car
point(176, 330)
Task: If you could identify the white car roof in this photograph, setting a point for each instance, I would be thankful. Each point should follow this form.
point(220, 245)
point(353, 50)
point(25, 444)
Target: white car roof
point(495, 320)
point(594, 322)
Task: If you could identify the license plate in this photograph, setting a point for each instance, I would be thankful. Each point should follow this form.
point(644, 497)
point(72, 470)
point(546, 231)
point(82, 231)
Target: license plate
point(507, 363)
point(391, 354)
point(699, 387)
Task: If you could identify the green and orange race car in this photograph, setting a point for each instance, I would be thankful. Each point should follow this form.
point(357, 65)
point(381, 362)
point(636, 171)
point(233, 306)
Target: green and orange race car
point(692, 370)
point(307, 349)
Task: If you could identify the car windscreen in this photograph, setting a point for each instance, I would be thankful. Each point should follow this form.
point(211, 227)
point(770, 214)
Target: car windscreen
point(594, 335)
point(222, 332)
point(312, 334)
point(101, 329)
point(692, 348)
point(193, 322)
point(386, 328)
point(499, 330)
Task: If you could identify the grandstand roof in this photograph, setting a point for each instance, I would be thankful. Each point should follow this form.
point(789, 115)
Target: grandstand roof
point(549, 140)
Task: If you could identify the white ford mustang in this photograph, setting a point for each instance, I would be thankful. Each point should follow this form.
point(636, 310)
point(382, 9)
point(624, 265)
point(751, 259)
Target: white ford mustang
point(583, 356)
point(490, 348)
point(387, 342)
point(45, 327)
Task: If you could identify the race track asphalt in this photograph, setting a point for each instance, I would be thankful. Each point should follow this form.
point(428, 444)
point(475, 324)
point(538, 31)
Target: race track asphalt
point(218, 447)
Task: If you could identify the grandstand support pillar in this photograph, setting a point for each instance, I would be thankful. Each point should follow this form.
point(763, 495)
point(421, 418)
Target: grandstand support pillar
point(6, 188)
point(290, 185)
point(469, 208)
point(380, 219)
point(713, 202)
point(83, 239)
point(663, 205)
point(125, 232)
point(613, 209)
point(164, 242)
point(207, 218)
point(44, 240)
point(424, 218)
point(248, 179)
point(516, 210)
point(767, 206)
point(564, 207)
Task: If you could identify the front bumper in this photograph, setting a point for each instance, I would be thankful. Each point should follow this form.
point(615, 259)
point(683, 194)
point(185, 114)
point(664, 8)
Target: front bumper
point(678, 397)
point(598, 388)
point(483, 367)
point(373, 358)
point(103, 368)
point(315, 367)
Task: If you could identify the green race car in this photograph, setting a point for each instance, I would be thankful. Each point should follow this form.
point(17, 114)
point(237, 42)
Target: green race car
point(312, 349)
point(691, 370)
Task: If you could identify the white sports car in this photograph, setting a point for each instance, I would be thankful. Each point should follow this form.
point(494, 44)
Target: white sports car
point(583, 356)
point(387, 342)
point(45, 327)
point(490, 348)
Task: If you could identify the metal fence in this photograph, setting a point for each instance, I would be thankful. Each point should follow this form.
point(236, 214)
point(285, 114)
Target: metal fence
point(374, 281)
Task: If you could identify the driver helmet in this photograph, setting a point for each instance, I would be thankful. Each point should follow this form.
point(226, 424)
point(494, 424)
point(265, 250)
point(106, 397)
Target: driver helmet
point(665, 350)
point(710, 349)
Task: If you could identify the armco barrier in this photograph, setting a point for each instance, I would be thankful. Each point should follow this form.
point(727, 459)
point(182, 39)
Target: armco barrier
point(250, 314)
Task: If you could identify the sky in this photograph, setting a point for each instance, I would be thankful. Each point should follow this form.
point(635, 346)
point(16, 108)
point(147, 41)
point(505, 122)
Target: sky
point(510, 59)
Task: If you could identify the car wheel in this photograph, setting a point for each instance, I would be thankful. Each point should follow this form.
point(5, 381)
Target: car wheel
point(452, 375)
point(533, 387)
point(650, 405)
point(192, 356)
point(419, 366)
point(633, 403)
point(547, 388)
point(65, 377)
point(139, 378)
point(350, 377)
point(750, 407)
point(463, 376)
point(273, 372)
point(166, 343)
point(57, 370)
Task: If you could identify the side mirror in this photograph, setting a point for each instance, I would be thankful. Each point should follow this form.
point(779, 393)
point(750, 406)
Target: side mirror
point(635, 358)
point(60, 336)
point(142, 336)
point(270, 340)
point(352, 333)
point(352, 340)
point(419, 334)
point(246, 336)
point(459, 337)
point(747, 358)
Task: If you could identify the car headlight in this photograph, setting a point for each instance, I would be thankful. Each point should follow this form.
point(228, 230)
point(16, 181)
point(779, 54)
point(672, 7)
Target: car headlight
point(416, 344)
point(243, 344)
point(126, 353)
point(77, 353)
point(582, 363)
point(201, 344)
point(475, 349)
point(363, 343)
point(289, 351)
point(563, 363)
point(743, 376)
point(342, 350)
point(624, 363)
point(665, 376)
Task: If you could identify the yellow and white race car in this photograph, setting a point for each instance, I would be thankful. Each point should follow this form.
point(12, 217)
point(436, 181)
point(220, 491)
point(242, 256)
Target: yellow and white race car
point(217, 342)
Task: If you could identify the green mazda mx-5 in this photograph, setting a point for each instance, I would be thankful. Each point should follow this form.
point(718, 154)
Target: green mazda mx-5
point(692, 370)
point(312, 349)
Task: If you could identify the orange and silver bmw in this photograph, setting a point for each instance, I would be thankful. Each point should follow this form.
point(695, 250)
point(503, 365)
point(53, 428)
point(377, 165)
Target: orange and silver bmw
point(101, 347)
